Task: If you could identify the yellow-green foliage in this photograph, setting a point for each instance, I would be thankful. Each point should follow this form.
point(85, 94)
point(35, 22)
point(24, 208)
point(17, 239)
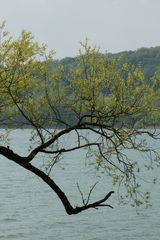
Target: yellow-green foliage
point(28, 84)
point(93, 96)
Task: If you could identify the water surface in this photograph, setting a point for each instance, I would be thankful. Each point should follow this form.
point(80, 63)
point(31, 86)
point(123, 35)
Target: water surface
point(29, 209)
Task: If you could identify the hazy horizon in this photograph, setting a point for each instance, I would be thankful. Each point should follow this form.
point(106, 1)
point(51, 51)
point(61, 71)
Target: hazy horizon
point(114, 25)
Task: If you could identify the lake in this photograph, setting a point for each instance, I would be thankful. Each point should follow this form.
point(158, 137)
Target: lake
point(29, 209)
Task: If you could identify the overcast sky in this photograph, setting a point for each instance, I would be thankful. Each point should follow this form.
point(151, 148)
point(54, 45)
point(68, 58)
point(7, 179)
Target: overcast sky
point(114, 25)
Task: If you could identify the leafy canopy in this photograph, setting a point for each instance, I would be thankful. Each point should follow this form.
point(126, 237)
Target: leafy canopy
point(115, 105)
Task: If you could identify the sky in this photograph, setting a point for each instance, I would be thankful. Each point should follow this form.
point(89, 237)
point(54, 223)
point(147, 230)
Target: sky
point(112, 25)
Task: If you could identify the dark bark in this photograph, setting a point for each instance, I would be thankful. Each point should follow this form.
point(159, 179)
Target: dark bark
point(23, 161)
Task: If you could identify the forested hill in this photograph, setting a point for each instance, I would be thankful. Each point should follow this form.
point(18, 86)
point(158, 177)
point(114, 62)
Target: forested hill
point(147, 58)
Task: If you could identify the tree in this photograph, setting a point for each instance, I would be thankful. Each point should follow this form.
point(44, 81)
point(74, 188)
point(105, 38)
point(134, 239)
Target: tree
point(93, 96)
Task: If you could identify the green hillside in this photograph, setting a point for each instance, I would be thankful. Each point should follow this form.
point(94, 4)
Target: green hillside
point(147, 58)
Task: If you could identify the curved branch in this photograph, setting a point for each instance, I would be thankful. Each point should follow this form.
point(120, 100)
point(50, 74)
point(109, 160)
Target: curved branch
point(48, 143)
point(96, 204)
point(8, 153)
point(63, 150)
point(67, 205)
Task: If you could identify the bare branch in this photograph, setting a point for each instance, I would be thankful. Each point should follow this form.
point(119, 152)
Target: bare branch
point(63, 150)
point(90, 192)
point(83, 200)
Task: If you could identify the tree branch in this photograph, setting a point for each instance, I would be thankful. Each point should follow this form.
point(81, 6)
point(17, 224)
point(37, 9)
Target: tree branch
point(8, 153)
point(63, 150)
point(67, 205)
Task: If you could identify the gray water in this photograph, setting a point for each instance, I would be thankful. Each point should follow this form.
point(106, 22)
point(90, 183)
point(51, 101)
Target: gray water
point(29, 209)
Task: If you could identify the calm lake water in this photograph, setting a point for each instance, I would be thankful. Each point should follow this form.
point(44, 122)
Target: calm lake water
point(29, 209)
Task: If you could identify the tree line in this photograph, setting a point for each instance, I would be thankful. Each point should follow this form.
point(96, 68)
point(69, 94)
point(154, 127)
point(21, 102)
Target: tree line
point(147, 58)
